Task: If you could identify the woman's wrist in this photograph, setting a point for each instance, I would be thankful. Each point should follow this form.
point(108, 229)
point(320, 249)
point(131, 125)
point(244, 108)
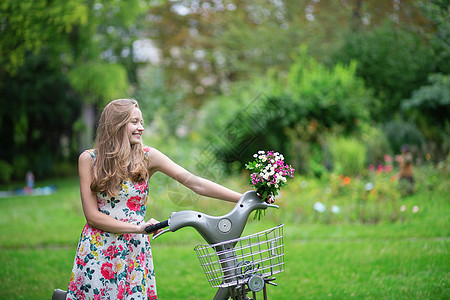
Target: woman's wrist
point(140, 228)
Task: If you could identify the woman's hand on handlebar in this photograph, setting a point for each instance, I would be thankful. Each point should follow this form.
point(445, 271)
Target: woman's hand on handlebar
point(269, 199)
point(148, 223)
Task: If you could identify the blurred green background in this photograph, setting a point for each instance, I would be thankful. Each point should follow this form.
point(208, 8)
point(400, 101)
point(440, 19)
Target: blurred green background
point(336, 86)
point(283, 75)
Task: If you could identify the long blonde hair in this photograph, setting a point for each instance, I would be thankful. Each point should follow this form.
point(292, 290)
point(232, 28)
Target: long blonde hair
point(116, 158)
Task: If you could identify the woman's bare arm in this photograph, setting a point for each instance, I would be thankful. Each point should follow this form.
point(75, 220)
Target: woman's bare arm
point(160, 162)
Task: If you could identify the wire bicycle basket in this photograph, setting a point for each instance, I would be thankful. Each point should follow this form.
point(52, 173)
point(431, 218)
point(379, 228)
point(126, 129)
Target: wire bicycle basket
point(234, 262)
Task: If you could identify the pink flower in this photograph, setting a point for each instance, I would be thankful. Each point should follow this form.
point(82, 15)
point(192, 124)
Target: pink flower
point(134, 203)
point(93, 231)
point(121, 291)
point(141, 258)
point(388, 168)
point(72, 286)
point(130, 264)
point(103, 292)
point(371, 167)
point(107, 270)
point(101, 202)
point(81, 295)
point(80, 262)
point(140, 186)
point(380, 168)
point(75, 283)
point(387, 158)
point(151, 293)
point(111, 252)
point(79, 280)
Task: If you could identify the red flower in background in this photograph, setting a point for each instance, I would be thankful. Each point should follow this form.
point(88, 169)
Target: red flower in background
point(347, 180)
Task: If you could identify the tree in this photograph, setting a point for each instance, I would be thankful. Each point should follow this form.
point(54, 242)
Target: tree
point(36, 116)
point(291, 114)
point(393, 62)
point(38, 108)
point(81, 54)
point(29, 26)
point(437, 11)
point(206, 45)
point(429, 108)
point(104, 64)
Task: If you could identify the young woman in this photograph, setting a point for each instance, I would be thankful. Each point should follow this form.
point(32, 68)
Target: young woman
point(113, 258)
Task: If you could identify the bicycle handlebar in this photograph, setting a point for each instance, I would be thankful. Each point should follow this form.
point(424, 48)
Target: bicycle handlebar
point(215, 229)
point(157, 226)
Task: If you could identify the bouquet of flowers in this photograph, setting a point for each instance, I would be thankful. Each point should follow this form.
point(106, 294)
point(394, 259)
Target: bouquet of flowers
point(269, 174)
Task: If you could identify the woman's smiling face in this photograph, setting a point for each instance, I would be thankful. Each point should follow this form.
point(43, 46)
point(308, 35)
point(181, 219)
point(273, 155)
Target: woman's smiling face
point(135, 127)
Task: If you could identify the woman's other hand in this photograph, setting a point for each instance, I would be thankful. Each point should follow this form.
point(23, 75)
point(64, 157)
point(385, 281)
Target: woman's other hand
point(268, 200)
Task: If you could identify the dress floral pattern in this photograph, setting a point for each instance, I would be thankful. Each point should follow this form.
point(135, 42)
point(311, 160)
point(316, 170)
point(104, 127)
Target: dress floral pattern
point(115, 266)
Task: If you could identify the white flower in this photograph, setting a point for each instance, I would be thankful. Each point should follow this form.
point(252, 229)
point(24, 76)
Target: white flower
point(276, 185)
point(118, 265)
point(135, 278)
point(335, 209)
point(320, 207)
point(369, 186)
point(402, 208)
point(260, 152)
point(255, 155)
point(415, 209)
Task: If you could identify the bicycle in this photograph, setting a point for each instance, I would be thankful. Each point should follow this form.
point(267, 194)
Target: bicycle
point(236, 265)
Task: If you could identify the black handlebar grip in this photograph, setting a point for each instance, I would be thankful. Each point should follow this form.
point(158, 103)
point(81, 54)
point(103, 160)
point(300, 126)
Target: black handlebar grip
point(157, 226)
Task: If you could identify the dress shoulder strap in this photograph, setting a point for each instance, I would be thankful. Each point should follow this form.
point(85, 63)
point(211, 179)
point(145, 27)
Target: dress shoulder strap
point(92, 153)
point(146, 151)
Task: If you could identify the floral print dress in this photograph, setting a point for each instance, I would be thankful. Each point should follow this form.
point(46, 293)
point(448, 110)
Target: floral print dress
point(115, 266)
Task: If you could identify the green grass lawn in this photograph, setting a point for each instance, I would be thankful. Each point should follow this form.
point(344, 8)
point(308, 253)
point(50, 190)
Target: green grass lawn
point(401, 260)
